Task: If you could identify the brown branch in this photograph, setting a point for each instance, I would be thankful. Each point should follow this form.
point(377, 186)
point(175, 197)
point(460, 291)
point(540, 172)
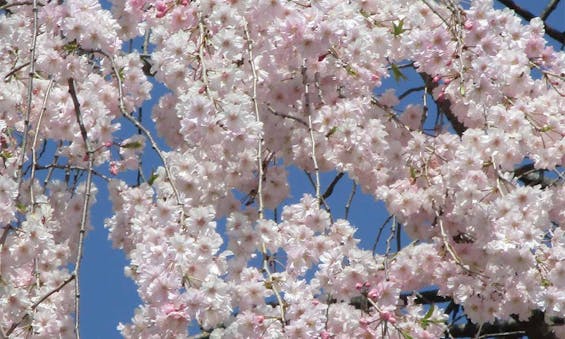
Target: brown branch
point(14, 71)
point(534, 327)
point(531, 176)
point(331, 186)
point(444, 105)
point(283, 115)
point(37, 303)
point(549, 9)
point(350, 200)
point(31, 74)
point(527, 15)
point(410, 91)
point(84, 213)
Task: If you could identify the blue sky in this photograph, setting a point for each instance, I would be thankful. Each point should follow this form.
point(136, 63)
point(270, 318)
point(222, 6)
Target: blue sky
point(108, 297)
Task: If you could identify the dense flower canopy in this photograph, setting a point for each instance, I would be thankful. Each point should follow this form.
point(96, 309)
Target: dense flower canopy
point(255, 87)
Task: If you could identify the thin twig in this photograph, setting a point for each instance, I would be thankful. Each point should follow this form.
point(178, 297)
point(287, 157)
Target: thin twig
point(69, 167)
point(53, 291)
point(308, 112)
point(34, 143)
point(37, 303)
point(322, 201)
point(387, 249)
point(266, 268)
point(258, 120)
point(350, 200)
point(147, 134)
point(379, 233)
point(319, 88)
point(283, 115)
point(14, 71)
point(204, 71)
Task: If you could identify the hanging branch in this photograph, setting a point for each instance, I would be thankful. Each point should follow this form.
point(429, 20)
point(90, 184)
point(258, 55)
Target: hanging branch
point(204, 71)
point(34, 143)
point(84, 214)
point(31, 74)
point(258, 119)
point(350, 200)
point(145, 131)
point(308, 112)
point(379, 233)
point(271, 281)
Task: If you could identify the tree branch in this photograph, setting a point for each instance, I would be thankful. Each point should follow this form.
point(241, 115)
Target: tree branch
point(527, 15)
point(444, 105)
point(550, 8)
point(86, 203)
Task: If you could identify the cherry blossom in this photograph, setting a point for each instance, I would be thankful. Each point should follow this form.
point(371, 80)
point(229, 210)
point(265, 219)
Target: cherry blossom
point(214, 239)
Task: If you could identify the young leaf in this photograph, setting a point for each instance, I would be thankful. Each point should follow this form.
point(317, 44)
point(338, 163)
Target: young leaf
point(133, 144)
point(152, 178)
point(397, 74)
point(398, 29)
point(331, 132)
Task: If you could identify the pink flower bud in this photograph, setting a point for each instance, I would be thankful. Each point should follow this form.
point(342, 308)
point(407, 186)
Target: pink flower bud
point(441, 96)
point(468, 25)
point(161, 8)
point(373, 294)
point(113, 168)
point(259, 319)
point(388, 316)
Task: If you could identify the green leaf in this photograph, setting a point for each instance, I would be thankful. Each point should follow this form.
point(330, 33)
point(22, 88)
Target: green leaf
point(351, 71)
point(546, 128)
point(71, 46)
point(413, 173)
point(398, 29)
point(397, 74)
point(21, 207)
point(426, 320)
point(406, 335)
point(152, 178)
point(430, 312)
point(331, 132)
point(133, 144)
point(121, 73)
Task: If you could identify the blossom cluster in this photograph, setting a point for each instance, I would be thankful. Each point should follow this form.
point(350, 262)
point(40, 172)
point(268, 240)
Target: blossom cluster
point(255, 87)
